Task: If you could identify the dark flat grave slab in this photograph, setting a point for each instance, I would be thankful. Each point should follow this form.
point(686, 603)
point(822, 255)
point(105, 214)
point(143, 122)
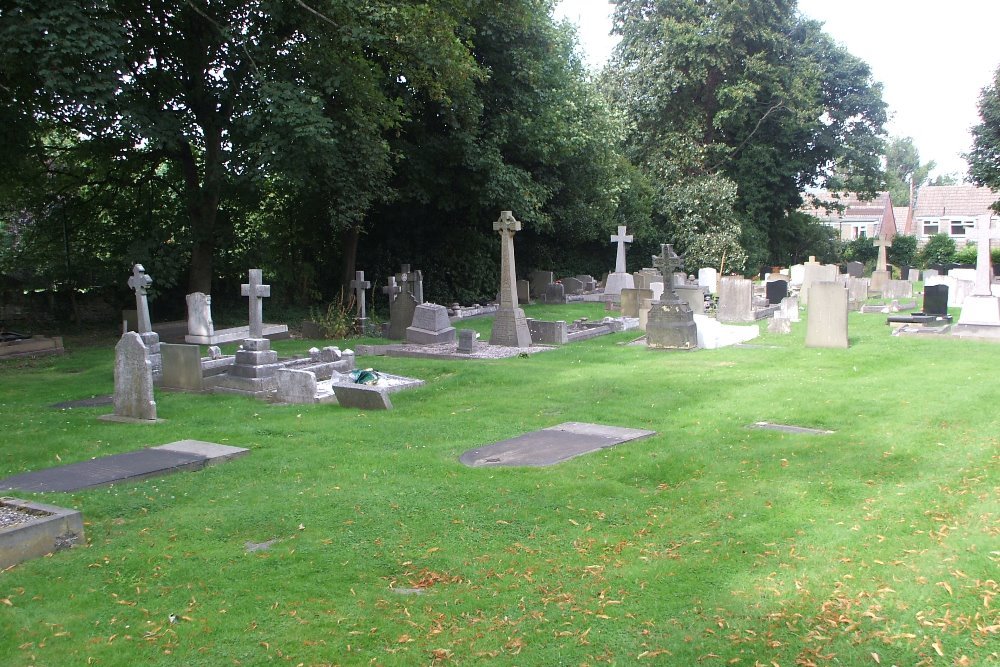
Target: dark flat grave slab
point(786, 428)
point(551, 445)
point(92, 402)
point(126, 467)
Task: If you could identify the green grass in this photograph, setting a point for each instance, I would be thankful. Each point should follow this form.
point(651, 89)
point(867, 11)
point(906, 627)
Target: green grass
point(709, 543)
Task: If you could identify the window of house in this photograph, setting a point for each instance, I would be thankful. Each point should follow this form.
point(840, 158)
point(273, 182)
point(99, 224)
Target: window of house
point(957, 228)
point(930, 228)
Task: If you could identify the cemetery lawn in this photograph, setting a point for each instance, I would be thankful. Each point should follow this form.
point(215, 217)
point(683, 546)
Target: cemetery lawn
point(710, 543)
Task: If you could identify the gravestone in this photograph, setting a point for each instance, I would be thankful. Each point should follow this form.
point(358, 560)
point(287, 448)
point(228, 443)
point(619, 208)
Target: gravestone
point(735, 300)
point(296, 386)
point(826, 325)
point(693, 296)
point(360, 287)
point(402, 305)
point(913, 275)
point(679, 279)
point(779, 325)
point(631, 298)
point(257, 292)
point(430, 326)
point(815, 272)
point(930, 273)
point(573, 286)
point(797, 273)
point(709, 277)
point(855, 269)
point(199, 314)
point(670, 324)
point(554, 293)
point(881, 274)
point(857, 292)
point(466, 341)
point(548, 333)
point(790, 308)
point(411, 282)
point(133, 380)
point(181, 367)
point(643, 279)
point(362, 396)
point(936, 300)
point(897, 289)
point(776, 290)
point(539, 281)
point(140, 282)
point(981, 308)
point(523, 291)
point(588, 281)
point(620, 279)
point(509, 326)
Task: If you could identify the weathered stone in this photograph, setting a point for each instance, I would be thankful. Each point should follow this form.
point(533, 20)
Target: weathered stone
point(509, 325)
point(181, 367)
point(430, 325)
point(466, 341)
point(133, 380)
point(826, 325)
point(735, 300)
point(362, 397)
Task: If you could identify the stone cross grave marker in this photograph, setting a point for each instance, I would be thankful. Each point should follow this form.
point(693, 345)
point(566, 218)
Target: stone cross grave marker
point(667, 262)
point(391, 289)
point(360, 285)
point(257, 292)
point(509, 326)
point(984, 268)
point(621, 239)
point(140, 282)
point(881, 244)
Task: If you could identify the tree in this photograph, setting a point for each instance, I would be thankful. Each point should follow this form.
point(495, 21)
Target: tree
point(984, 159)
point(747, 92)
point(904, 171)
point(939, 249)
point(903, 251)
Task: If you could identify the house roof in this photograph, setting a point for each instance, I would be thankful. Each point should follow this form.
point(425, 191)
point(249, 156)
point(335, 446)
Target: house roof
point(903, 220)
point(935, 201)
point(878, 210)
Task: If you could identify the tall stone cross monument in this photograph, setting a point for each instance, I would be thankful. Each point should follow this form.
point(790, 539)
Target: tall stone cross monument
point(257, 293)
point(880, 276)
point(509, 326)
point(139, 282)
point(360, 286)
point(981, 308)
point(621, 278)
point(667, 262)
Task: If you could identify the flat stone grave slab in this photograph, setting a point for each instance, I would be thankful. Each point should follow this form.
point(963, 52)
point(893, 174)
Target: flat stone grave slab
point(786, 428)
point(92, 402)
point(551, 445)
point(129, 466)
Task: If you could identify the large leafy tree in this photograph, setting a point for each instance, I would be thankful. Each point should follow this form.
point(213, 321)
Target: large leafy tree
point(905, 173)
point(749, 92)
point(984, 159)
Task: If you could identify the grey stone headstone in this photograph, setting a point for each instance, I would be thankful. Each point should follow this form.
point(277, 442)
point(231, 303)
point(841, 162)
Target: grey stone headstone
point(855, 269)
point(133, 379)
point(401, 311)
point(913, 275)
point(199, 314)
point(631, 298)
point(555, 293)
point(693, 296)
point(735, 300)
point(539, 281)
point(466, 341)
point(181, 367)
point(548, 333)
point(790, 308)
point(361, 396)
point(296, 386)
point(573, 285)
point(523, 291)
point(430, 325)
point(930, 273)
point(826, 325)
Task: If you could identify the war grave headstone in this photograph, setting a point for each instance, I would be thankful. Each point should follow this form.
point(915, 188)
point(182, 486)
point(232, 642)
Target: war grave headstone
point(430, 326)
point(126, 467)
point(631, 298)
point(133, 398)
point(670, 324)
point(554, 293)
point(620, 278)
point(981, 308)
point(140, 282)
point(552, 445)
point(708, 277)
point(826, 325)
point(775, 290)
point(509, 325)
point(735, 300)
point(539, 281)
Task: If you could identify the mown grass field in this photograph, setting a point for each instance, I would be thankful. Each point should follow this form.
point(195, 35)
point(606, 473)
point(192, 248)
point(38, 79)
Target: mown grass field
point(708, 544)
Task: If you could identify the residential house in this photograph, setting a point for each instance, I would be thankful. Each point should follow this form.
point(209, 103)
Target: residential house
point(951, 210)
point(856, 217)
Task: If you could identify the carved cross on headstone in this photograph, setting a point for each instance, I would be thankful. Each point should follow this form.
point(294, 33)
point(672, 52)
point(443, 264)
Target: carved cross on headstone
point(984, 264)
point(391, 289)
point(139, 282)
point(359, 285)
point(667, 262)
point(621, 239)
point(257, 293)
point(881, 244)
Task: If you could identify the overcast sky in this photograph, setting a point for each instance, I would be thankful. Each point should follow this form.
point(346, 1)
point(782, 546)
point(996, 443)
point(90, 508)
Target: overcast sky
point(932, 58)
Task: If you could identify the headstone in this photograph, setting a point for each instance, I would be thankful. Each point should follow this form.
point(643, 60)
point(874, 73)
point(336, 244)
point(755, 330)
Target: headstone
point(930, 273)
point(857, 292)
point(466, 341)
point(523, 291)
point(693, 296)
point(790, 308)
point(362, 397)
point(897, 289)
point(620, 278)
point(670, 324)
point(643, 279)
point(554, 293)
point(509, 325)
point(798, 274)
point(709, 277)
point(199, 314)
point(735, 300)
point(401, 311)
point(810, 275)
point(855, 269)
point(418, 285)
point(181, 367)
point(133, 380)
point(981, 308)
point(913, 275)
point(430, 326)
point(257, 292)
point(776, 290)
point(573, 285)
point(296, 386)
point(826, 325)
point(679, 279)
point(548, 333)
point(360, 287)
point(589, 282)
point(779, 325)
point(631, 299)
point(936, 300)
point(539, 281)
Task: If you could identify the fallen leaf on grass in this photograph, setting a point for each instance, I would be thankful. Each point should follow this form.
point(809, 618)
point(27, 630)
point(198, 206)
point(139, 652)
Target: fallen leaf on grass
point(938, 647)
point(946, 586)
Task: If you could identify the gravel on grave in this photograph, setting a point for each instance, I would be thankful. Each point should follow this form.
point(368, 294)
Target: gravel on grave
point(11, 516)
point(481, 350)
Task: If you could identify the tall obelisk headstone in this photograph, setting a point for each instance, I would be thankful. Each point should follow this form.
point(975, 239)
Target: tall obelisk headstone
point(140, 282)
point(509, 326)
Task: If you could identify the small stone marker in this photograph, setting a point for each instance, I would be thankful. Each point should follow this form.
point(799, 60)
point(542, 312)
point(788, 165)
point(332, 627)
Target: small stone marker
point(551, 445)
point(133, 382)
point(779, 325)
point(257, 292)
point(466, 341)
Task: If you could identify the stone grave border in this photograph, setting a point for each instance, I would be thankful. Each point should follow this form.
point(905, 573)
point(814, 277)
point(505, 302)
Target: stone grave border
point(50, 529)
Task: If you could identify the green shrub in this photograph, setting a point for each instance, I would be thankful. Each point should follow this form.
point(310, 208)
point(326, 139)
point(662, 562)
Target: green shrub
point(940, 249)
point(967, 255)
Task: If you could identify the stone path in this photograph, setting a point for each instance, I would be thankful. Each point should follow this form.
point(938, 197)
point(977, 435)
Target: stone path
point(551, 445)
point(126, 467)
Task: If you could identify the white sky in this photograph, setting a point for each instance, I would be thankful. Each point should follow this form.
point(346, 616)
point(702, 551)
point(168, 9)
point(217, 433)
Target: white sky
point(932, 58)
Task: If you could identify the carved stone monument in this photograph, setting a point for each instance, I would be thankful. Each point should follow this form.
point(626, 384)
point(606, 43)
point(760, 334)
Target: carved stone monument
point(509, 326)
point(981, 308)
point(621, 278)
point(670, 324)
point(140, 282)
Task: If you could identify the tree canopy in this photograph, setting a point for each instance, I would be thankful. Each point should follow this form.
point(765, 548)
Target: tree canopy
point(984, 159)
